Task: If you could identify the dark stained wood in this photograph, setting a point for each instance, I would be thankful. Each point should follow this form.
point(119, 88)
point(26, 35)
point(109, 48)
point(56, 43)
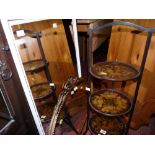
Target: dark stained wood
point(24, 123)
point(67, 24)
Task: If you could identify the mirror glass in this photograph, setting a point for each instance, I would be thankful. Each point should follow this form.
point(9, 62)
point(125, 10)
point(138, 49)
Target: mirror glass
point(45, 53)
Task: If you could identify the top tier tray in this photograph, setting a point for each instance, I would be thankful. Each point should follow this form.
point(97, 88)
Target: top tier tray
point(114, 71)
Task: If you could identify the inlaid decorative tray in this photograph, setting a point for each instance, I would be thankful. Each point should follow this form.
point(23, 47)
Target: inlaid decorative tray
point(41, 90)
point(101, 125)
point(114, 71)
point(34, 65)
point(110, 102)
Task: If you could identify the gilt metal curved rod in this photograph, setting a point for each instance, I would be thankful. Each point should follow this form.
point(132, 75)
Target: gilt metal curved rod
point(67, 87)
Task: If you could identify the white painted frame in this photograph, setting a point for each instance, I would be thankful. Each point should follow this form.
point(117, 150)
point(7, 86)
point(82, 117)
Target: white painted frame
point(23, 21)
point(19, 66)
point(76, 43)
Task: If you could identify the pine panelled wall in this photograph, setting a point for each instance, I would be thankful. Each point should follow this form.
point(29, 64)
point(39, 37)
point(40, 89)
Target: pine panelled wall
point(129, 47)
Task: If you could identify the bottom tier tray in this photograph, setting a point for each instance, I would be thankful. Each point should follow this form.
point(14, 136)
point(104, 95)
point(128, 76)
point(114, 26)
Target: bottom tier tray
point(102, 125)
point(41, 90)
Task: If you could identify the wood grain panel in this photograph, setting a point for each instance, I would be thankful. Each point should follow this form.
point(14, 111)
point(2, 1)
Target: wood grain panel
point(128, 47)
point(100, 36)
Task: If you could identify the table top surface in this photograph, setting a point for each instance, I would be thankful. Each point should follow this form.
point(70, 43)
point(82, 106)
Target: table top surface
point(86, 21)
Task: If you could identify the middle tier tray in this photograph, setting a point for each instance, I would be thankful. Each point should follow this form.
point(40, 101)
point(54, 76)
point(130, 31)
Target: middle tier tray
point(110, 102)
point(114, 71)
point(34, 65)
